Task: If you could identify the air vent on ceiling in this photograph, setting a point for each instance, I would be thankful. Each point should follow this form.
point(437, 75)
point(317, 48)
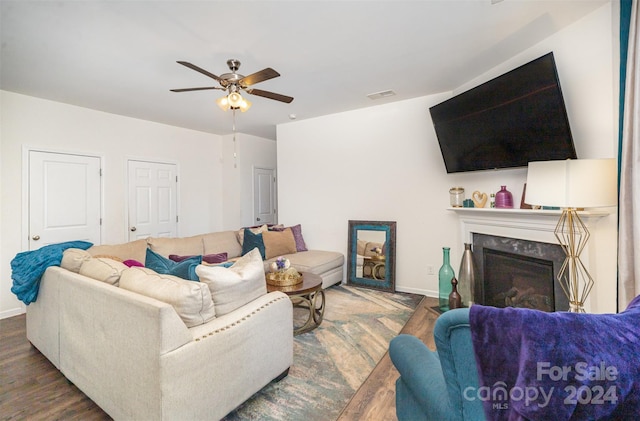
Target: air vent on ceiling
point(381, 94)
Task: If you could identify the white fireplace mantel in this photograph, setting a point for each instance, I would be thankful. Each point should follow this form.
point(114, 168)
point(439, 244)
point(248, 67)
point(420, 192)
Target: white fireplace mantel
point(526, 224)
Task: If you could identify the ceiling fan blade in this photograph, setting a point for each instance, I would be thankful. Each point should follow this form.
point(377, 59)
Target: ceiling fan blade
point(270, 95)
point(199, 69)
point(262, 75)
point(193, 89)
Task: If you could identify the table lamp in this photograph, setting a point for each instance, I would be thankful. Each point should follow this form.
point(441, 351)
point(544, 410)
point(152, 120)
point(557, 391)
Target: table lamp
point(572, 185)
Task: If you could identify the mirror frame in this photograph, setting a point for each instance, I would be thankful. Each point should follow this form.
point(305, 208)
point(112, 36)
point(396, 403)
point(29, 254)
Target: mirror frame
point(389, 227)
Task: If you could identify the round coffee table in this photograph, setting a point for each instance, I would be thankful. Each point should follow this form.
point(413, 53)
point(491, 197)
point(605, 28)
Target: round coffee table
point(308, 295)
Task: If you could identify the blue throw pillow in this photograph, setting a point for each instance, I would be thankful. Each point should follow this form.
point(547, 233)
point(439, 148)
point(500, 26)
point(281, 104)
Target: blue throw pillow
point(252, 241)
point(185, 269)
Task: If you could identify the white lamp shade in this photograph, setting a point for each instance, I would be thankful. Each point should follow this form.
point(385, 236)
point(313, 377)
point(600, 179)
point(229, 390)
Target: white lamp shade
point(573, 183)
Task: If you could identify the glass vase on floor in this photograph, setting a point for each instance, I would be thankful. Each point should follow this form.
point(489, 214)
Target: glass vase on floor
point(467, 276)
point(445, 275)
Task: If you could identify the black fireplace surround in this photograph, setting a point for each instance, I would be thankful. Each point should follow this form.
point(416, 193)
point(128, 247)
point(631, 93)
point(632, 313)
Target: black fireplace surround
point(513, 272)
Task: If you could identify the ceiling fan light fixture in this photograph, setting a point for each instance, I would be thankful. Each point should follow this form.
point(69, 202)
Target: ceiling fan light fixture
point(245, 104)
point(231, 102)
point(235, 99)
point(223, 103)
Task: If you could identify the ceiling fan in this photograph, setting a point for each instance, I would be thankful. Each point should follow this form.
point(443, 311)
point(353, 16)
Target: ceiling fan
point(234, 83)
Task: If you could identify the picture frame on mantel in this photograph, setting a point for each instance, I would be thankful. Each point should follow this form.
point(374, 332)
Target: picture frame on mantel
point(522, 204)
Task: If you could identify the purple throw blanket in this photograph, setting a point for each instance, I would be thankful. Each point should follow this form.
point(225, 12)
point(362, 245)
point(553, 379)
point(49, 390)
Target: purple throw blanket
point(534, 365)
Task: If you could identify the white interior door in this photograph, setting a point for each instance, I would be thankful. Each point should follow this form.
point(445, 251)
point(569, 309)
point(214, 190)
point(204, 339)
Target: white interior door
point(64, 198)
point(264, 196)
point(153, 190)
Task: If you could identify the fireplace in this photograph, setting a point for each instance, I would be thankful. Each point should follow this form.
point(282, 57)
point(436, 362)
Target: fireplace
point(513, 272)
point(529, 232)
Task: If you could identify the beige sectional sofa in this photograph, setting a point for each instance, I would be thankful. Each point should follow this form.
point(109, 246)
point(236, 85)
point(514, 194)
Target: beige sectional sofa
point(143, 345)
point(328, 264)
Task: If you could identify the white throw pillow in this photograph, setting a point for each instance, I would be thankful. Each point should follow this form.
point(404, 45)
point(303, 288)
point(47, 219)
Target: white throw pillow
point(103, 269)
point(72, 259)
point(233, 287)
point(190, 299)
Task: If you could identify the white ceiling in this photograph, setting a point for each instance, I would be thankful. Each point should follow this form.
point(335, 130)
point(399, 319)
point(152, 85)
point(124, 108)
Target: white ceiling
point(120, 56)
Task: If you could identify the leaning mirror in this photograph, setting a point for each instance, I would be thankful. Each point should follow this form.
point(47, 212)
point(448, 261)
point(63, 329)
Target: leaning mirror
point(371, 259)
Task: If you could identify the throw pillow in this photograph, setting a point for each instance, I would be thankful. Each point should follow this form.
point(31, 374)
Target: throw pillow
point(255, 230)
point(278, 243)
point(233, 287)
point(185, 269)
point(207, 258)
point(72, 259)
point(191, 300)
point(103, 269)
point(297, 235)
point(252, 241)
point(132, 262)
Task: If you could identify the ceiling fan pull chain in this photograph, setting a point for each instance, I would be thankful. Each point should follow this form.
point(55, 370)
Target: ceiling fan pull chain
point(235, 145)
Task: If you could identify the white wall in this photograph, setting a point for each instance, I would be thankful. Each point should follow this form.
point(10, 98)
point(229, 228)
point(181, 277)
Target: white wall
point(383, 163)
point(251, 152)
point(202, 160)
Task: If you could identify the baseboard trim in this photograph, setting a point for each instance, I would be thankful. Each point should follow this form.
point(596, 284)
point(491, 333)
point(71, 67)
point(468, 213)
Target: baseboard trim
point(13, 312)
point(419, 291)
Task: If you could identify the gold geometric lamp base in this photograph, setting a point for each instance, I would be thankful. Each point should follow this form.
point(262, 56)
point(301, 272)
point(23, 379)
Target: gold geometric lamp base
point(574, 278)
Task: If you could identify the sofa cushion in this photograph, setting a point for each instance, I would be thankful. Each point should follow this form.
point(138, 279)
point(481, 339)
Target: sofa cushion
point(207, 258)
point(103, 269)
point(72, 259)
point(185, 246)
point(224, 241)
point(233, 287)
point(132, 250)
point(185, 269)
point(315, 261)
point(252, 241)
point(277, 243)
point(191, 300)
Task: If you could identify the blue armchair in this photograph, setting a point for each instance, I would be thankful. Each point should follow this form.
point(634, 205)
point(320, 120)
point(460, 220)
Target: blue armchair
point(432, 384)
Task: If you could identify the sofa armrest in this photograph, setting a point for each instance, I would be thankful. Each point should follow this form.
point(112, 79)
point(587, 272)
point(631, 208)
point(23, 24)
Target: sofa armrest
point(111, 342)
point(453, 340)
point(234, 356)
point(421, 373)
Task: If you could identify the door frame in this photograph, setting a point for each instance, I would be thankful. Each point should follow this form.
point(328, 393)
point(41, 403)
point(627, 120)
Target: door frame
point(26, 150)
point(126, 190)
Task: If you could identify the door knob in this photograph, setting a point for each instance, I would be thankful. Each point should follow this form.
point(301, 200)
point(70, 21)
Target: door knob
point(35, 237)
point(133, 229)
point(257, 219)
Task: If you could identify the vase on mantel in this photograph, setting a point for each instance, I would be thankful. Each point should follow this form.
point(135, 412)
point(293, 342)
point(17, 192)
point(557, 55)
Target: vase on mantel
point(445, 275)
point(467, 276)
point(504, 198)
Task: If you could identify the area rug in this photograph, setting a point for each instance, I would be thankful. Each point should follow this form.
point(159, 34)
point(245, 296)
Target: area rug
point(331, 362)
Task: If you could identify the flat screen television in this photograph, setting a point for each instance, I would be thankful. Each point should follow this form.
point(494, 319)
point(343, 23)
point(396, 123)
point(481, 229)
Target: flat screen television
point(506, 122)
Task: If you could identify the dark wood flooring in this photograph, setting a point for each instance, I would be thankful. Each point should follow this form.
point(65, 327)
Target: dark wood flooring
point(31, 388)
point(375, 400)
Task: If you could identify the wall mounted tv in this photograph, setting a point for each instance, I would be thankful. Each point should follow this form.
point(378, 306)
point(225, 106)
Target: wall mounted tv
point(506, 122)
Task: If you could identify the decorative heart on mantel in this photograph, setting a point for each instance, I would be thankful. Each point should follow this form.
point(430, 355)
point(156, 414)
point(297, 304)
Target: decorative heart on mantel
point(479, 199)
